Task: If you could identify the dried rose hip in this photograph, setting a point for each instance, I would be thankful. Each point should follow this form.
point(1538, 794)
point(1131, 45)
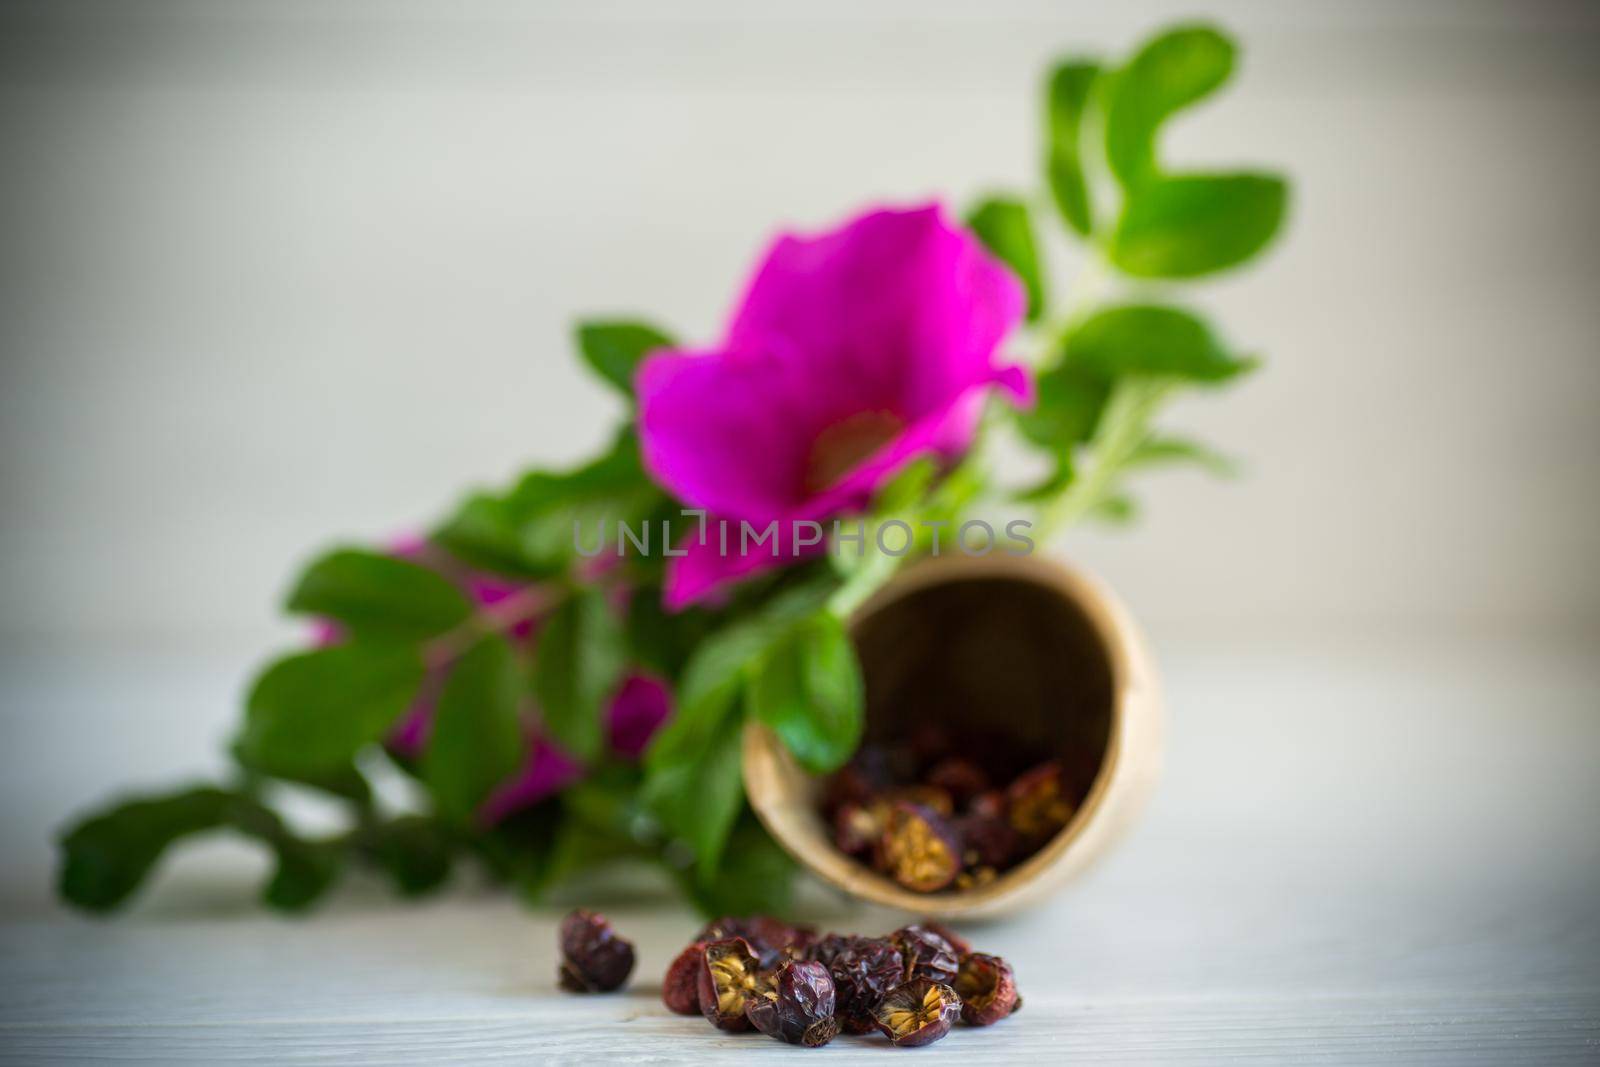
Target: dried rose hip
point(990, 805)
point(770, 938)
point(918, 1013)
point(593, 958)
point(863, 970)
point(918, 849)
point(801, 938)
point(798, 1008)
point(925, 954)
point(960, 945)
point(680, 989)
point(1037, 804)
point(720, 929)
point(975, 878)
point(769, 930)
point(961, 778)
point(858, 781)
point(730, 975)
point(929, 742)
point(857, 827)
point(987, 988)
point(935, 799)
point(986, 841)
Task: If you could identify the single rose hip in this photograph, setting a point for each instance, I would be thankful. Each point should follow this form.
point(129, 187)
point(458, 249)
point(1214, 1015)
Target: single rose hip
point(986, 841)
point(730, 975)
point(593, 958)
point(773, 940)
point(918, 1013)
point(918, 849)
point(769, 938)
point(858, 827)
point(858, 781)
point(958, 944)
point(799, 1007)
point(960, 778)
point(929, 743)
point(801, 937)
point(680, 989)
point(925, 954)
point(987, 988)
point(975, 878)
point(1037, 804)
point(863, 970)
point(937, 800)
point(990, 805)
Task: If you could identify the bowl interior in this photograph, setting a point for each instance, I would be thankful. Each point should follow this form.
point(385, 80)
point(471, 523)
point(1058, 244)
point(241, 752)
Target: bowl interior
point(1002, 669)
point(1013, 661)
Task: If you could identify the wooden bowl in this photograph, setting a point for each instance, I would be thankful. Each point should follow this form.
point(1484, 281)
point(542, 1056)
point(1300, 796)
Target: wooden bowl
point(1022, 646)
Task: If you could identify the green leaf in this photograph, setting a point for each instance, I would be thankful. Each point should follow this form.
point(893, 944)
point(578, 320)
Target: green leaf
point(305, 871)
point(105, 857)
point(309, 713)
point(484, 532)
point(1067, 406)
point(689, 797)
point(607, 801)
point(755, 876)
point(578, 663)
point(660, 640)
point(1130, 341)
point(719, 666)
point(577, 848)
point(905, 490)
point(693, 782)
point(614, 350)
point(692, 760)
point(1169, 73)
point(1117, 510)
point(346, 782)
point(1151, 340)
point(1124, 425)
point(808, 688)
point(709, 797)
point(517, 848)
point(1195, 224)
point(377, 595)
point(532, 529)
point(1068, 402)
point(1003, 225)
point(476, 742)
point(415, 851)
point(1071, 85)
point(1158, 451)
point(1052, 484)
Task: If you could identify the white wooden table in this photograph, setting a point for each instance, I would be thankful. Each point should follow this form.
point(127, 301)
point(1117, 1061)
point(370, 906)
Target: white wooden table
point(1368, 850)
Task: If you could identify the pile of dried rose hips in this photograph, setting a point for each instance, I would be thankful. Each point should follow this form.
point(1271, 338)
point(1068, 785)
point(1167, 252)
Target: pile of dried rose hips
point(787, 982)
point(936, 821)
point(790, 984)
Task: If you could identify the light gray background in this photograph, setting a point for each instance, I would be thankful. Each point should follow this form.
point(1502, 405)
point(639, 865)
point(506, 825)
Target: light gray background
point(280, 273)
point(277, 274)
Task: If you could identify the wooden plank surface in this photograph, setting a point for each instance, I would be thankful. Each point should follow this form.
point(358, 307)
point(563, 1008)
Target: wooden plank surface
point(1366, 850)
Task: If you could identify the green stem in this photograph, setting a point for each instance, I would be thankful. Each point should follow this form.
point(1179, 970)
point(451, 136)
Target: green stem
point(492, 619)
point(867, 579)
point(1123, 427)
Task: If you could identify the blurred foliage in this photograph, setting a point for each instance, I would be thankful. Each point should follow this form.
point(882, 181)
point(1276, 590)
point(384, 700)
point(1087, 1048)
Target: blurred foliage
point(409, 636)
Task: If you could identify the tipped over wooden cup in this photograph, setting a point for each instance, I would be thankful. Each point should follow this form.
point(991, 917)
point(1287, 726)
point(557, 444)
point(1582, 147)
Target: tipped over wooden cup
point(1025, 647)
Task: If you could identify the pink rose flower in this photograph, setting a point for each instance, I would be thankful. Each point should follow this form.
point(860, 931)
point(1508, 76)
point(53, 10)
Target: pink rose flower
point(852, 353)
